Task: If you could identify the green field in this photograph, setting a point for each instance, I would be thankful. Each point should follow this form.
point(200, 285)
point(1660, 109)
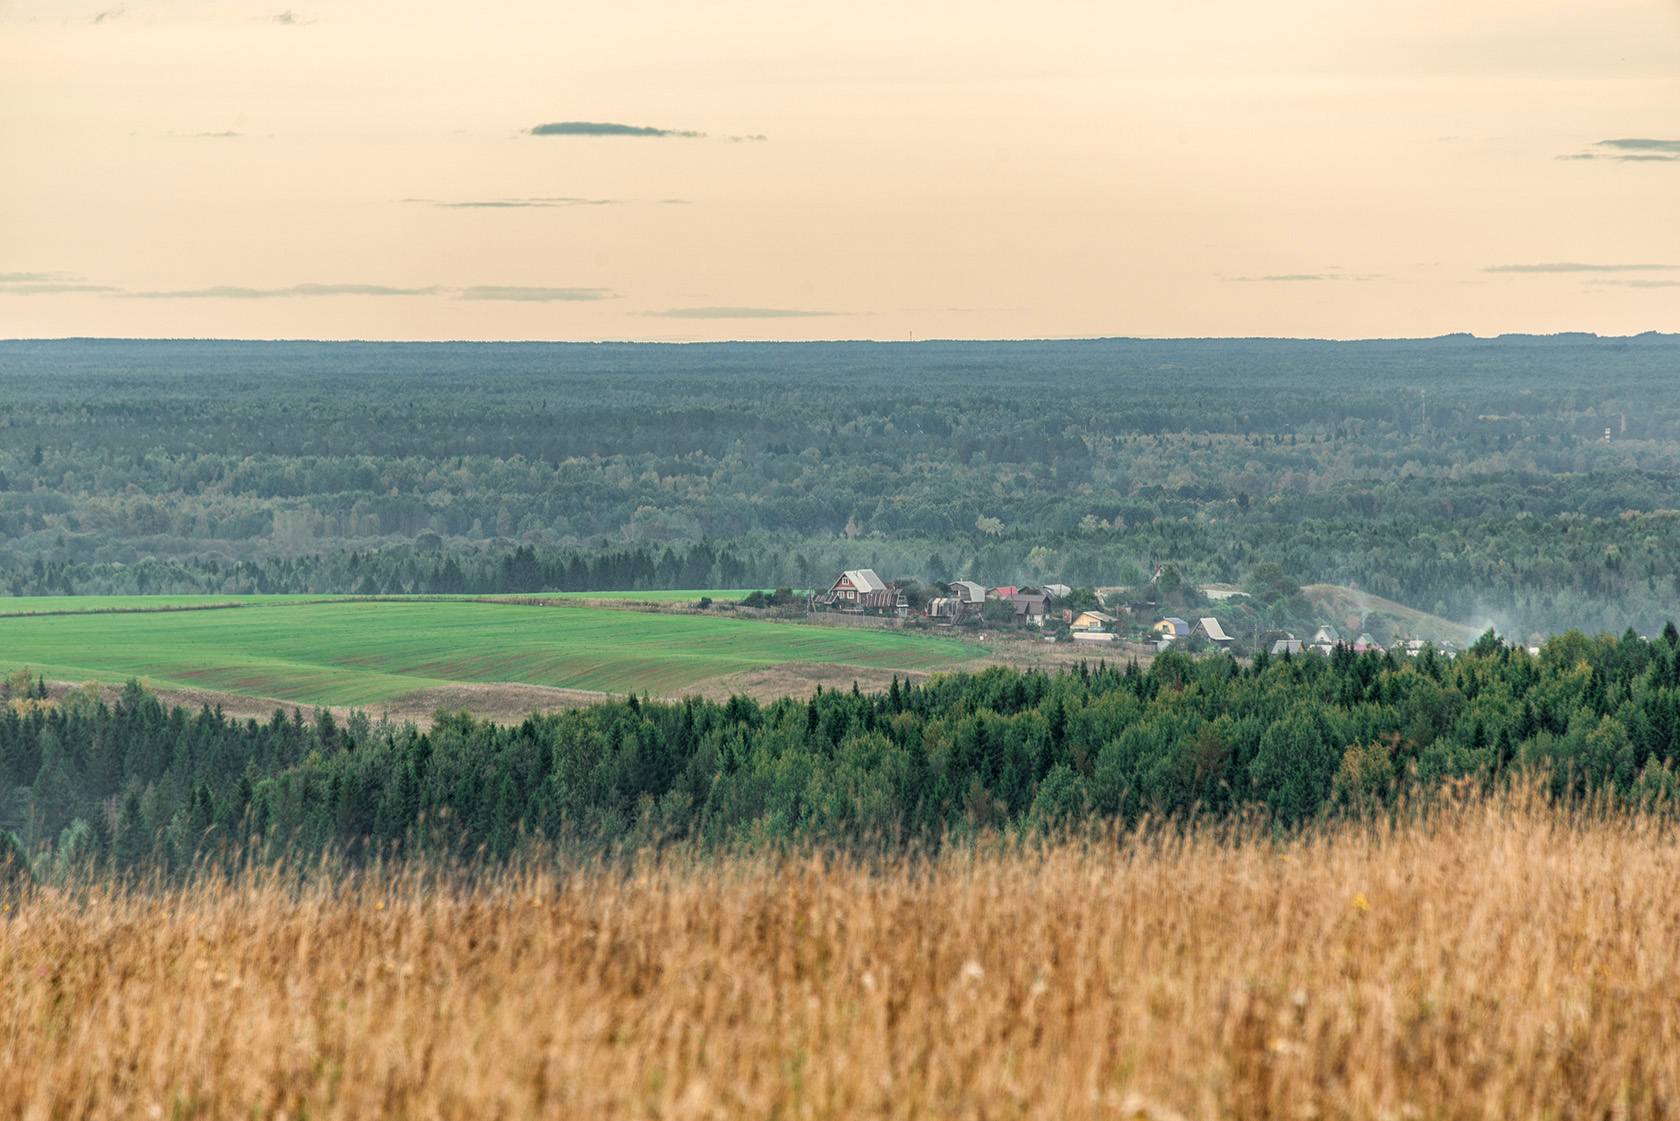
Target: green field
point(323, 651)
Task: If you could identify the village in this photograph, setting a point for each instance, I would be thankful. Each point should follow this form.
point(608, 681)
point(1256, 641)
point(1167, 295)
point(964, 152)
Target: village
point(1138, 619)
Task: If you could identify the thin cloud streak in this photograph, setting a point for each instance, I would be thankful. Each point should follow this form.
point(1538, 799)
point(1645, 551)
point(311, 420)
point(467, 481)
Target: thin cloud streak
point(46, 284)
point(514, 203)
point(1631, 149)
point(231, 292)
point(52, 288)
point(1577, 266)
point(534, 295)
point(736, 313)
point(607, 128)
point(1300, 277)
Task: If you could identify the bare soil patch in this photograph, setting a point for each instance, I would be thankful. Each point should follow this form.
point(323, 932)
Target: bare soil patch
point(798, 679)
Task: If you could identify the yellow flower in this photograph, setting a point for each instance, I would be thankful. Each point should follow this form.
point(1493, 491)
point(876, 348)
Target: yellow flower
point(1360, 903)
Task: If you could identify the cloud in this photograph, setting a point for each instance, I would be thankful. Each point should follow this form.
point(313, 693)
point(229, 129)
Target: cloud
point(110, 14)
point(515, 204)
point(736, 313)
point(1577, 266)
point(534, 295)
point(216, 135)
point(286, 17)
point(1631, 149)
point(48, 288)
point(1641, 283)
point(601, 128)
point(1295, 277)
point(753, 139)
point(230, 292)
point(45, 284)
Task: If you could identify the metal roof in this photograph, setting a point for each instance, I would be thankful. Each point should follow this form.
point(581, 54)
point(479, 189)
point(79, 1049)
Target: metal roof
point(971, 591)
point(865, 580)
point(1211, 627)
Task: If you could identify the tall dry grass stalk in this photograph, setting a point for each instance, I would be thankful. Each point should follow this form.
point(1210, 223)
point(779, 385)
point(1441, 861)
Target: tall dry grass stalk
point(1497, 959)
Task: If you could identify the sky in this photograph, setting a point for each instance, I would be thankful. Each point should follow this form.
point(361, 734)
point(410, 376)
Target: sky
point(656, 170)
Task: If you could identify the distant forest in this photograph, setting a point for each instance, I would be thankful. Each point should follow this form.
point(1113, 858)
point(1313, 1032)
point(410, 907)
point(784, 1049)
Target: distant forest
point(1468, 477)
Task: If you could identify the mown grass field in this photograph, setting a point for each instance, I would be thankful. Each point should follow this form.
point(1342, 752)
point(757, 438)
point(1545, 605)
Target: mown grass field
point(1494, 961)
point(361, 652)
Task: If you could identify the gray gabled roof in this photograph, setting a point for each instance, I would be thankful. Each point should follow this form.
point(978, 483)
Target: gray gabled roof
point(865, 580)
point(971, 591)
point(1210, 627)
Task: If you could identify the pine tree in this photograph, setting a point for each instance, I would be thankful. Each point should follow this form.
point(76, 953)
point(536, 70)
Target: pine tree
point(130, 848)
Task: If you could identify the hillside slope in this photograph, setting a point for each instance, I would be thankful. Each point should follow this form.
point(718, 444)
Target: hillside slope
point(1354, 611)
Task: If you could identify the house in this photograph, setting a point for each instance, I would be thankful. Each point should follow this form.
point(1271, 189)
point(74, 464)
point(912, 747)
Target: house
point(861, 588)
point(1005, 593)
point(1208, 627)
point(1029, 608)
point(855, 582)
point(970, 593)
point(1172, 628)
point(1326, 636)
point(1057, 591)
point(1092, 621)
point(1287, 646)
point(1365, 642)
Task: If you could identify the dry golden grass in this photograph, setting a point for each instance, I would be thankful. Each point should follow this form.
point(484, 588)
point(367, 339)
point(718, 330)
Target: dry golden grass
point(1499, 961)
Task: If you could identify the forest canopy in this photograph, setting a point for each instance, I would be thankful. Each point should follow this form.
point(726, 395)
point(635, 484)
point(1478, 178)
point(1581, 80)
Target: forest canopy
point(1529, 481)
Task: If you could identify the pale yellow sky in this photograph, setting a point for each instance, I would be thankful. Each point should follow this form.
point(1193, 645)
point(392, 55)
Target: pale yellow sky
point(1333, 168)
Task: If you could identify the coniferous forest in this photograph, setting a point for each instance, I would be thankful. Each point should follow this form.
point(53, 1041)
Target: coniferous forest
point(135, 787)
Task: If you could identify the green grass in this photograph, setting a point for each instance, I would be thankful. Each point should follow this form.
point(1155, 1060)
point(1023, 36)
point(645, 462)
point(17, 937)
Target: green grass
point(319, 651)
point(725, 595)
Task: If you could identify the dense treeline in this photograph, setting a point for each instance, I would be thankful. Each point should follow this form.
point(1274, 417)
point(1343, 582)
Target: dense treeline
point(1518, 574)
point(133, 783)
point(1470, 474)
